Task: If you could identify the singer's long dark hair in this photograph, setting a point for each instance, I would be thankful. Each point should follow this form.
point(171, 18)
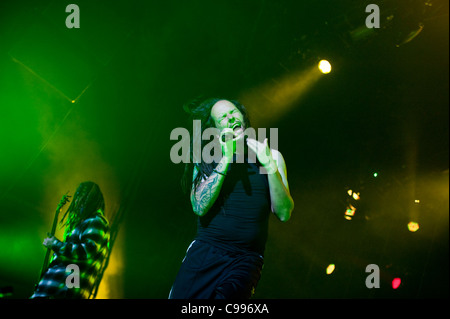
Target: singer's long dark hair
point(201, 110)
point(87, 201)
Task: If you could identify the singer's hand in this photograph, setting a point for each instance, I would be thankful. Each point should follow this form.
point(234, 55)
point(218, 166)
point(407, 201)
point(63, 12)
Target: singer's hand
point(264, 154)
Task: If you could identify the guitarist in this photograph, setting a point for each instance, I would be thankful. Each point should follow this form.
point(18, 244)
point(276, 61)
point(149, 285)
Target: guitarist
point(84, 248)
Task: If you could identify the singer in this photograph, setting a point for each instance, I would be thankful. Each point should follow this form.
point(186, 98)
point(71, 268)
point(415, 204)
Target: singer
point(232, 200)
point(85, 244)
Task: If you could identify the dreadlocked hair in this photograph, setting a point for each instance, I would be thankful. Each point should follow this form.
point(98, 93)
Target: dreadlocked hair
point(201, 110)
point(86, 202)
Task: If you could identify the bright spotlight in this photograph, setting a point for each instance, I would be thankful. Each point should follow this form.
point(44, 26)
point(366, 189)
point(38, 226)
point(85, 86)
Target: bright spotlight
point(324, 66)
point(413, 226)
point(330, 268)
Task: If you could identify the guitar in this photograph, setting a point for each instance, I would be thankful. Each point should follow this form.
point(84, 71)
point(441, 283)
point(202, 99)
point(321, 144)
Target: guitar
point(62, 202)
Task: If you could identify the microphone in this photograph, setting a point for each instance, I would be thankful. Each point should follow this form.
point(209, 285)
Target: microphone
point(225, 132)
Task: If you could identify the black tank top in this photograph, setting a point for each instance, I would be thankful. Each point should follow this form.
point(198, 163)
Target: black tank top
point(238, 220)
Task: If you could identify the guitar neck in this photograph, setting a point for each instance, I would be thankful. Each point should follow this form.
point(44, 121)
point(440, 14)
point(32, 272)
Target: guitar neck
point(48, 252)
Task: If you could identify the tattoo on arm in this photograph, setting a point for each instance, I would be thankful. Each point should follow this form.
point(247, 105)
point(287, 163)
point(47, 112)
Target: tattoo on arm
point(204, 196)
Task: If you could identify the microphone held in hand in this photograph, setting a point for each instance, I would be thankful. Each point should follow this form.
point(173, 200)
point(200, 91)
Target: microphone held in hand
point(226, 134)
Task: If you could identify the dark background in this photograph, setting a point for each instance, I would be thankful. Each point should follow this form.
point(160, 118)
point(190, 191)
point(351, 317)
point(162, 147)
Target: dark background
point(99, 102)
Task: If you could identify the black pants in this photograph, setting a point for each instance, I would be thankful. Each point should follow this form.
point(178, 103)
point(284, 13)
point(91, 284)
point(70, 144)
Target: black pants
point(208, 272)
